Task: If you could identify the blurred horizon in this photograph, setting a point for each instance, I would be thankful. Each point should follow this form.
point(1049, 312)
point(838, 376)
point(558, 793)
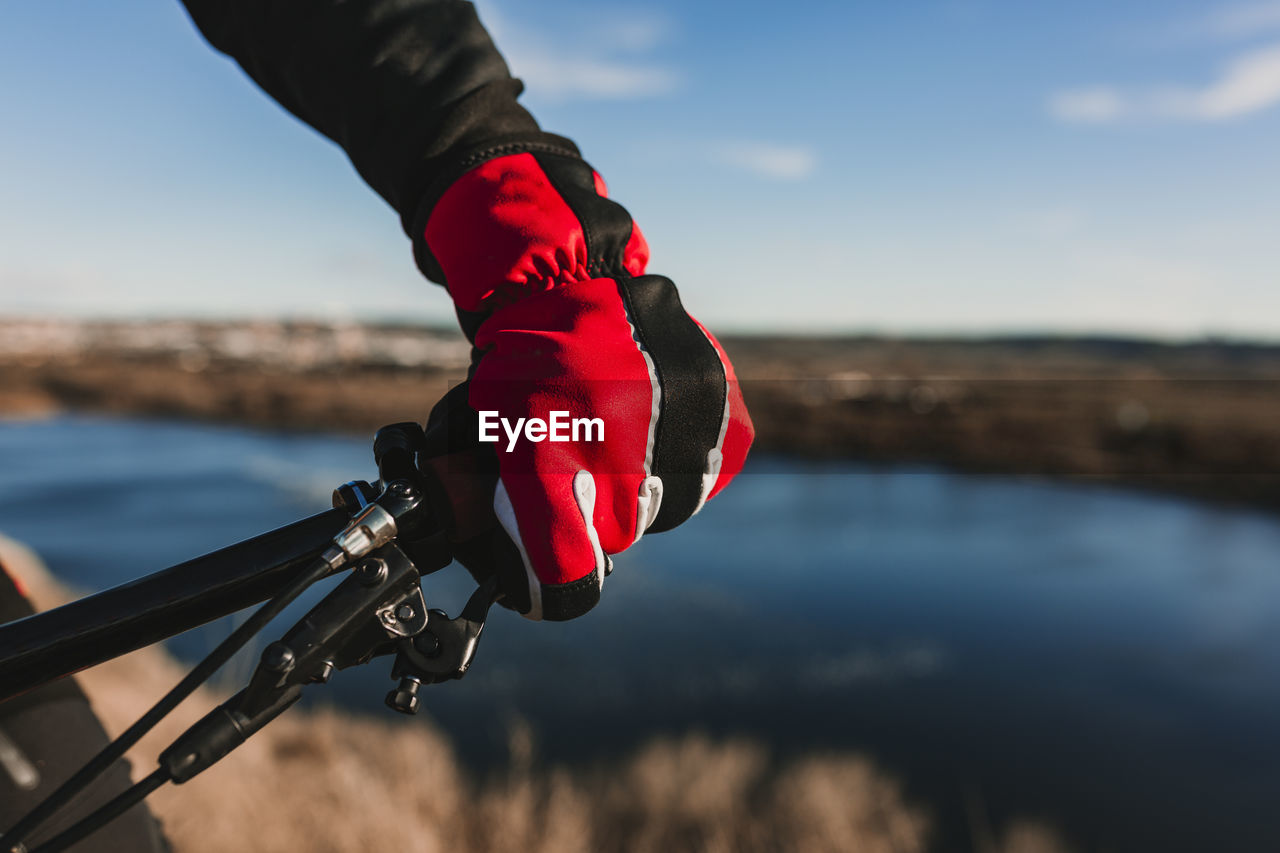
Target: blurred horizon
point(959, 167)
point(447, 326)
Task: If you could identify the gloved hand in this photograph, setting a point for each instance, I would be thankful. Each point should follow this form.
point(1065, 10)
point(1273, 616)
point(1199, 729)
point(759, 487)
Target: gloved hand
point(548, 276)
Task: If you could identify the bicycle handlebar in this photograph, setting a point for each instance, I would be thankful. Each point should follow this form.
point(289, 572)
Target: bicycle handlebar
point(67, 639)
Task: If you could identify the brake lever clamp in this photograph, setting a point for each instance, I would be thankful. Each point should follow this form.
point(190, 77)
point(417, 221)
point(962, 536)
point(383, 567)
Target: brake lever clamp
point(442, 651)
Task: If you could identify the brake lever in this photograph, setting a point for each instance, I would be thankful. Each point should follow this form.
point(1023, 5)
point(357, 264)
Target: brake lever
point(442, 651)
point(378, 604)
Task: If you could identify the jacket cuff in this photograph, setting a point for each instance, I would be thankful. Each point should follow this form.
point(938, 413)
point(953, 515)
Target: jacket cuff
point(449, 169)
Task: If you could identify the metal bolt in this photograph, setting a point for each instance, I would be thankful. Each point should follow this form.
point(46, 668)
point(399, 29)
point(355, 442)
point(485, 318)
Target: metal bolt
point(324, 673)
point(405, 613)
point(405, 697)
point(372, 571)
point(277, 657)
point(401, 489)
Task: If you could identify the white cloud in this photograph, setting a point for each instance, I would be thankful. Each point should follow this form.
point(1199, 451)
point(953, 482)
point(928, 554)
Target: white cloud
point(607, 63)
point(548, 73)
point(1248, 84)
point(768, 160)
point(636, 32)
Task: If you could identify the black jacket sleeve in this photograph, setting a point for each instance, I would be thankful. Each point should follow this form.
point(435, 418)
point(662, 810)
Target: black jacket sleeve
point(413, 90)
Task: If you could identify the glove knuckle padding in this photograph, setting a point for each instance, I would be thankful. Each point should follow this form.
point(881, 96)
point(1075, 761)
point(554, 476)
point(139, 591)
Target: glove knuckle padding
point(548, 275)
point(570, 350)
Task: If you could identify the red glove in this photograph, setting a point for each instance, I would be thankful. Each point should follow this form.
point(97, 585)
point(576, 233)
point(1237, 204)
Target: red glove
point(548, 278)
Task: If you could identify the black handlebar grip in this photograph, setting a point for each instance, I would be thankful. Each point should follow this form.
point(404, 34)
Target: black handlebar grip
point(395, 449)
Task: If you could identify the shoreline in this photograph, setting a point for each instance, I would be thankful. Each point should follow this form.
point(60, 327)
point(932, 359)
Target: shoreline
point(1201, 420)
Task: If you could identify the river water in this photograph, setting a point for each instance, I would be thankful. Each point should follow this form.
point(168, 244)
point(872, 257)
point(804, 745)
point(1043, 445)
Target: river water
point(1104, 660)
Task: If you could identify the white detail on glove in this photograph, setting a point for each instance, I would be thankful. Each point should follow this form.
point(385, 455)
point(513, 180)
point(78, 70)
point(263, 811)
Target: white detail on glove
point(715, 458)
point(506, 514)
point(655, 399)
point(584, 492)
point(709, 476)
point(648, 503)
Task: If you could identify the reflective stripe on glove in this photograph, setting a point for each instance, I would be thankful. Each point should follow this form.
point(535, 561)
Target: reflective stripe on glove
point(548, 276)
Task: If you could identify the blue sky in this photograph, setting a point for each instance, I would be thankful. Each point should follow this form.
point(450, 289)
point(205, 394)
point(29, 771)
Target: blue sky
point(949, 166)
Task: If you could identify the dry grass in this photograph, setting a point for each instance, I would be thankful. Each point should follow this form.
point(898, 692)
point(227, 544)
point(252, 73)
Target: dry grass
point(327, 782)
